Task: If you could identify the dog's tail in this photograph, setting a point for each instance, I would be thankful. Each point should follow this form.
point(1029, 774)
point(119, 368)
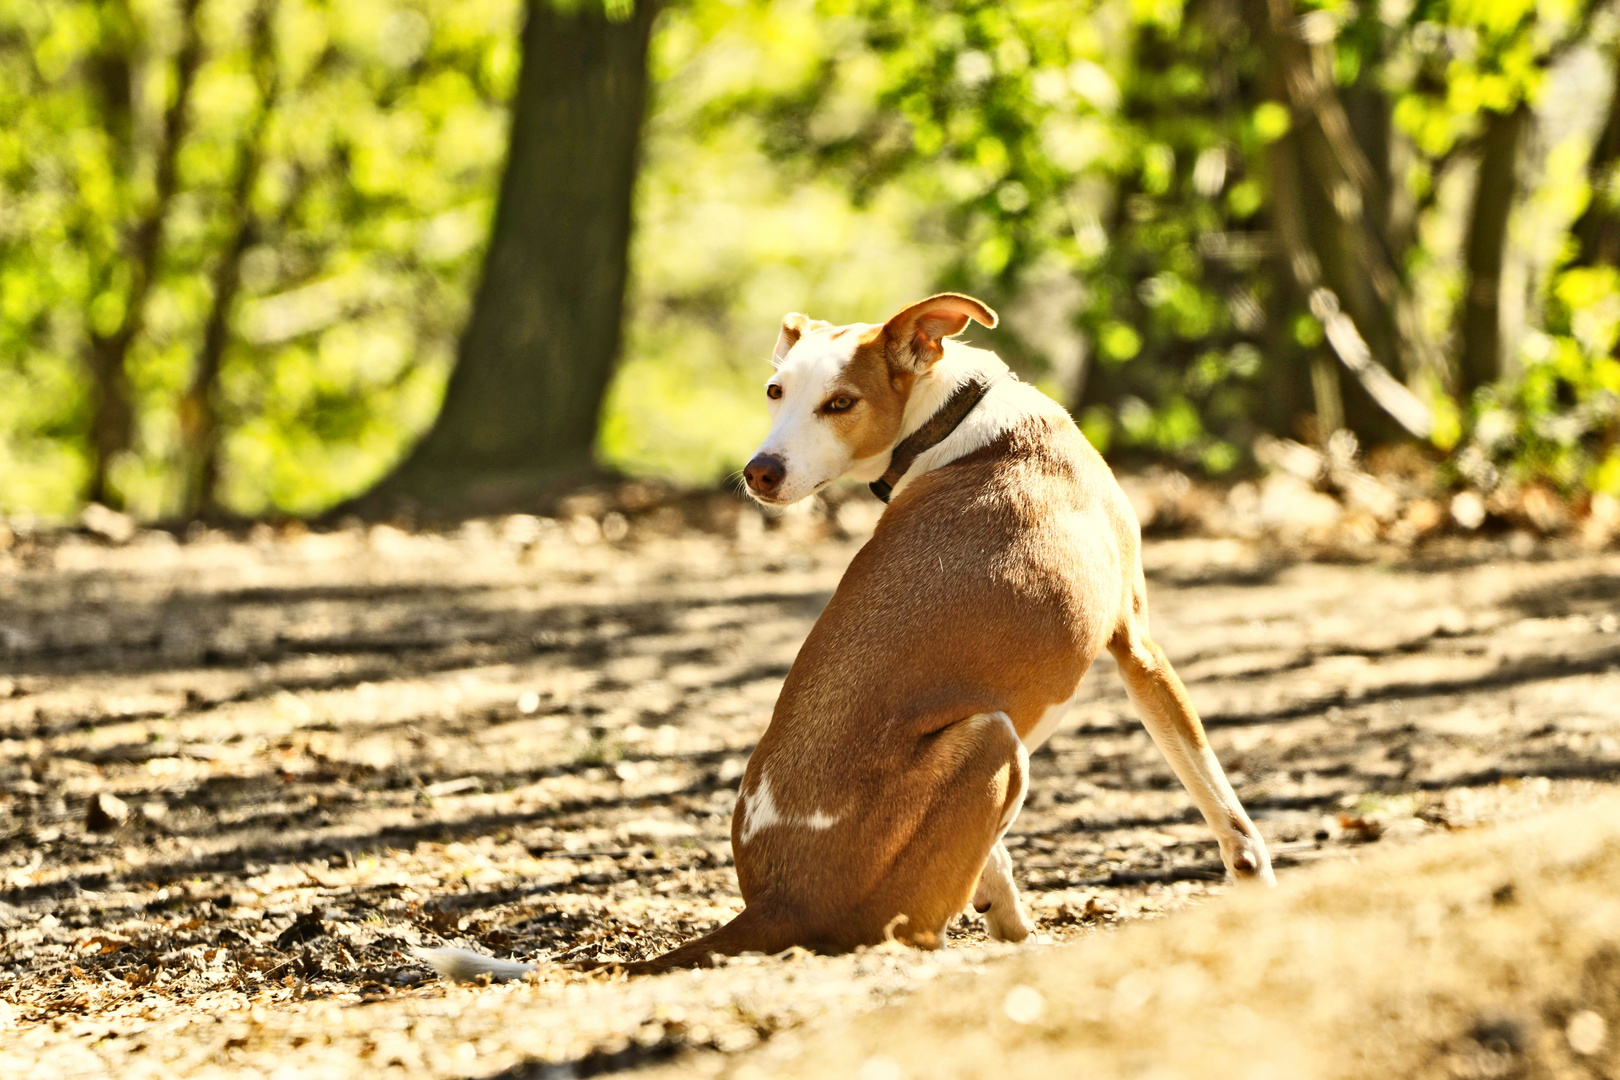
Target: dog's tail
point(750, 931)
point(756, 929)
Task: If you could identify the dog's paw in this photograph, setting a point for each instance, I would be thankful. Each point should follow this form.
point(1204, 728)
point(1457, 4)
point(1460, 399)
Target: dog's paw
point(1005, 920)
point(1248, 862)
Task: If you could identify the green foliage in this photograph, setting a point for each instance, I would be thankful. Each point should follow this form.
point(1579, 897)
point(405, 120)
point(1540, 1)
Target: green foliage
point(1050, 157)
point(385, 134)
point(1126, 147)
point(1102, 172)
point(1559, 421)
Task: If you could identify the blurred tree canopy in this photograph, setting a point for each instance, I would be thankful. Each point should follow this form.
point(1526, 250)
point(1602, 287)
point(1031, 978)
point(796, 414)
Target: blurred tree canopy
point(1264, 215)
point(240, 240)
point(287, 198)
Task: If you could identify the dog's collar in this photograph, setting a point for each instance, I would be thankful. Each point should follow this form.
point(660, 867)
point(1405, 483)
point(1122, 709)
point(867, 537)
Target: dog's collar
point(935, 430)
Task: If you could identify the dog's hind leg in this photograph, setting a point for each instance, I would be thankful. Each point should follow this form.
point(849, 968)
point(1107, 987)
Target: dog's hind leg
point(996, 898)
point(1168, 714)
point(952, 807)
point(942, 823)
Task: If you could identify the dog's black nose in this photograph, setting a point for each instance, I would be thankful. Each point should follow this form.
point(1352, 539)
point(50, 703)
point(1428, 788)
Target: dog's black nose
point(764, 474)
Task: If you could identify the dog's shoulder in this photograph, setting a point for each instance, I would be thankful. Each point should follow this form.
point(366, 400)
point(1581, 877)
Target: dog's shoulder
point(1039, 466)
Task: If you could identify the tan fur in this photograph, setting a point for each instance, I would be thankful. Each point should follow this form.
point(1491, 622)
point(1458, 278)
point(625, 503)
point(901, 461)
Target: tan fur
point(1023, 547)
point(986, 591)
point(875, 803)
point(882, 388)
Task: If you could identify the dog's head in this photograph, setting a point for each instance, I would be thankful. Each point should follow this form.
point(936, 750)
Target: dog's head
point(838, 394)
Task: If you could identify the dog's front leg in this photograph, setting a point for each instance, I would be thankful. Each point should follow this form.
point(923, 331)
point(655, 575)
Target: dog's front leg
point(996, 898)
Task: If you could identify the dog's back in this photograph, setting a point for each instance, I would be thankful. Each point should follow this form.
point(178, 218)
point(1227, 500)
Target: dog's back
point(1027, 544)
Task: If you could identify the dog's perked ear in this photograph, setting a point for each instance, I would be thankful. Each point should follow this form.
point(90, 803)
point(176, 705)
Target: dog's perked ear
point(915, 334)
point(794, 326)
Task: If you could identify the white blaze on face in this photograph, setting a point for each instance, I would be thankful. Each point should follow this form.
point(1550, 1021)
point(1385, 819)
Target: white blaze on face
point(809, 446)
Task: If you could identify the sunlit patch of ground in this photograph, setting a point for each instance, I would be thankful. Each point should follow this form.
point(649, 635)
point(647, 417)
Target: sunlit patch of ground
point(525, 737)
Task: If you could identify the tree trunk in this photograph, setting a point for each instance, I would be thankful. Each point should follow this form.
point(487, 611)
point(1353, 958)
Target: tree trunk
point(1370, 115)
point(520, 413)
point(1335, 253)
point(198, 409)
point(1295, 383)
point(112, 423)
point(1597, 230)
point(1479, 330)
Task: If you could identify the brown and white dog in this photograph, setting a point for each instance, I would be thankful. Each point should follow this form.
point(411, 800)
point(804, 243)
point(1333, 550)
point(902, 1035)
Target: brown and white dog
point(1006, 562)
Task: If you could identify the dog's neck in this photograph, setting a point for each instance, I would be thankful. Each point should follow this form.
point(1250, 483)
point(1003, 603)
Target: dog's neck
point(935, 386)
point(1007, 403)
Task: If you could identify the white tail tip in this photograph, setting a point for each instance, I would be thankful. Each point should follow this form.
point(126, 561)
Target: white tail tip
point(464, 965)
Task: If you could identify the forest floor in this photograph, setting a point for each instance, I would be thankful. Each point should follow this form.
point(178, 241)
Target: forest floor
point(242, 776)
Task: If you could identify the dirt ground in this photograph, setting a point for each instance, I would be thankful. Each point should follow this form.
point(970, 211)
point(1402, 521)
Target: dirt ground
point(1482, 954)
point(241, 777)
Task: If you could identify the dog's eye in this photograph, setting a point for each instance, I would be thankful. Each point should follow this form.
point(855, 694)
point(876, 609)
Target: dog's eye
point(774, 391)
point(841, 403)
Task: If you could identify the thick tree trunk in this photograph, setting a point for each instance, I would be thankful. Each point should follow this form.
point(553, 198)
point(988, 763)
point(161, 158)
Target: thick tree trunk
point(1479, 328)
point(520, 414)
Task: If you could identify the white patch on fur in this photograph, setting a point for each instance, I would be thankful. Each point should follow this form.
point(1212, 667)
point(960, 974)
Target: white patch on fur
point(997, 896)
point(760, 811)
